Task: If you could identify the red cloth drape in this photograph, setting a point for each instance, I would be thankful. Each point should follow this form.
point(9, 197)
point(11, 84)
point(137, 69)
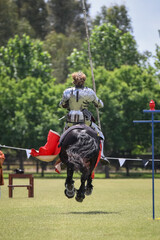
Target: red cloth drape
point(98, 159)
point(50, 148)
point(2, 157)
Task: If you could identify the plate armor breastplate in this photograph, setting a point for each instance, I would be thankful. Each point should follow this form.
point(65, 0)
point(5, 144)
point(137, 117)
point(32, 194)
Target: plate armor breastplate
point(77, 100)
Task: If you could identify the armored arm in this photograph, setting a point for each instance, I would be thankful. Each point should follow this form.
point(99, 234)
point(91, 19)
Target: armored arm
point(96, 101)
point(65, 99)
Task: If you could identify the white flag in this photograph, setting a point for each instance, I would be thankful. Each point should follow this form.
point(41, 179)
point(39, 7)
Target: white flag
point(121, 161)
point(28, 153)
point(145, 162)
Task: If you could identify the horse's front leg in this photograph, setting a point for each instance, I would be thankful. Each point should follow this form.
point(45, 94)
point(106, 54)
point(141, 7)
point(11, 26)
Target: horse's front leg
point(69, 184)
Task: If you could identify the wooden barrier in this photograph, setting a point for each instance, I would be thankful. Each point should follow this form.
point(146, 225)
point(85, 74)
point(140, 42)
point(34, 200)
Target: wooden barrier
point(30, 186)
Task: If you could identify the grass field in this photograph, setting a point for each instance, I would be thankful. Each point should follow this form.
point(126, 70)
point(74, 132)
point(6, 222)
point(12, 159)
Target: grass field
point(118, 209)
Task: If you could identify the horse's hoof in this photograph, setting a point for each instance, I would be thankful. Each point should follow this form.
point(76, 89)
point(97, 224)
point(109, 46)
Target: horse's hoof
point(79, 199)
point(88, 191)
point(69, 184)
point(69, 194)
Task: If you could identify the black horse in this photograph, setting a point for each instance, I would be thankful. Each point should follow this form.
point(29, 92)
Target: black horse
point(80, 146)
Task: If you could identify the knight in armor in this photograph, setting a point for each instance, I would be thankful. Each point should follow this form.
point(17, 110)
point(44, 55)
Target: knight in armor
point(76, 100)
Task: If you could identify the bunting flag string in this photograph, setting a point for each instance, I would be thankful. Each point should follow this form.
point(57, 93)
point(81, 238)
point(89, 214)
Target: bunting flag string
point(17, 148)
point(14, 148)
point(121, 160)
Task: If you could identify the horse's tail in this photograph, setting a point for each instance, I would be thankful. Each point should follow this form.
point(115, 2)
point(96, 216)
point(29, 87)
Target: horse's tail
point(84, 149)
point(76, 160)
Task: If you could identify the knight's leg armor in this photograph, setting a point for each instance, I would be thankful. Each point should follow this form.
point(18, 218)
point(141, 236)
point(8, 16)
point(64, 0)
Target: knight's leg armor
point(97, 129)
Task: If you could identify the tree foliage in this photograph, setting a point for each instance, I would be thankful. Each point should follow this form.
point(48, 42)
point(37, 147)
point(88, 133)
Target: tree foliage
point(35, 13)
point(29, 95)
point(125, 92)
point(157, 59)
point(67, 16)
point(29, 108)
point(8, 20)
point(117, 15)
point(110, 48)
point(60, 47)
point(24, 57)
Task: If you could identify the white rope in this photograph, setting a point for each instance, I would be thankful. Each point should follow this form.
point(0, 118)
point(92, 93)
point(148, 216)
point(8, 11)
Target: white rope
point(15, 148)
point(90, 59)
point(133, 159)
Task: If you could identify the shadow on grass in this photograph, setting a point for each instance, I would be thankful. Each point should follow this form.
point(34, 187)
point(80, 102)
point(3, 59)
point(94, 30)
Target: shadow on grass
point(93, 212)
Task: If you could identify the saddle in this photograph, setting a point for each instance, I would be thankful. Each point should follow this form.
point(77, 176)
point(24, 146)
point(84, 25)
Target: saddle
point(77, 126)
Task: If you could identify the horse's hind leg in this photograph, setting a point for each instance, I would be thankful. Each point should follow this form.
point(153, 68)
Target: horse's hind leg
point(81, 191)
point(69, 184)
point(89, 186)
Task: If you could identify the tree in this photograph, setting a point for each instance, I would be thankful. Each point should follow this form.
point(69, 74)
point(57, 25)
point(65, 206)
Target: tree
point(24, 57)
point(28, 111)
point(60, 47)
point(35, 12)
point(23, 26)
point(9, 20)
point(157, 60)
point(67, 16)
point(116, 15)
point(29, 97)
point(110, 48)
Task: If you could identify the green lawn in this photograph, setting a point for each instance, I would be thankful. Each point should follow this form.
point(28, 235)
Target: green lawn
point(118, 209)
